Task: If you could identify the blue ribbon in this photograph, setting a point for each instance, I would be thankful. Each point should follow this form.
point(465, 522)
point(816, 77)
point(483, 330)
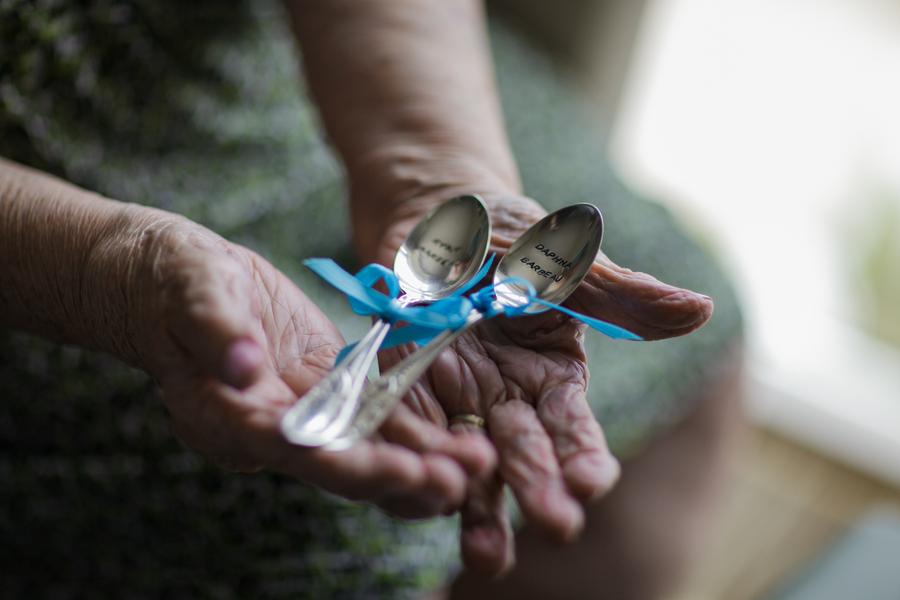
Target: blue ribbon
point(428, 321)
point(449, 313)
point(425, 322)
point(484, 301)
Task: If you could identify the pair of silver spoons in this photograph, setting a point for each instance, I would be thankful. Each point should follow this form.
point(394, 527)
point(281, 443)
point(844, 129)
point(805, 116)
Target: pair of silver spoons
point(442, 253)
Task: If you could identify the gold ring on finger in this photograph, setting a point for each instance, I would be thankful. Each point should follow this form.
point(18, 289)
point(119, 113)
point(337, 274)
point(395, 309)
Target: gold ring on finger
point(469, 419)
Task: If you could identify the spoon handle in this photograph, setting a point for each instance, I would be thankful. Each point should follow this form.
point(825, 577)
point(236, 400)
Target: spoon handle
point(380, 396)
point(327, 408)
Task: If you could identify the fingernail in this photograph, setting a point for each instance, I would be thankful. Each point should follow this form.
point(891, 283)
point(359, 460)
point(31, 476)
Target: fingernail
point(243, 358)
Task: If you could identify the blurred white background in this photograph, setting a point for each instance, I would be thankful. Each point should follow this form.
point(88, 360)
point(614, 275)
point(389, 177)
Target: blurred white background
point(772, 128)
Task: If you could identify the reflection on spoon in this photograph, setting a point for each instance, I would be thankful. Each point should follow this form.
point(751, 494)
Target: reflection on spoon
point(554, 256)
point(440, 255)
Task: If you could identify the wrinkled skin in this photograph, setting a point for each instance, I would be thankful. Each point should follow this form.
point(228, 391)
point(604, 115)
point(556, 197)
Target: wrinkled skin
point(232, 342)
point(528, 378)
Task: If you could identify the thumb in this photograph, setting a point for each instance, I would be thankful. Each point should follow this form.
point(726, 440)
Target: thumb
point(638, 302)
point(215, 317)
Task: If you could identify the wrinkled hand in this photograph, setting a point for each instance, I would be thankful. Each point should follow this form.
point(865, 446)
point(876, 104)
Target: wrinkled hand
point(232, 342)
point(528, 378)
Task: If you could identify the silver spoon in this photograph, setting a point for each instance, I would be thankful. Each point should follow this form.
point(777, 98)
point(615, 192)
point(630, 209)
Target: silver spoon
point(440, 255)
point(554, 256)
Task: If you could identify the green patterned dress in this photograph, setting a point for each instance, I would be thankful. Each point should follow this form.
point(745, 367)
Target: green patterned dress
point(198, 108)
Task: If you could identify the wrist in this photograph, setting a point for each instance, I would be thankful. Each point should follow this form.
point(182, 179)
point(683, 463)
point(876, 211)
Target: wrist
point(398, 185)
point(119, 301)
point(68, 261)
point(47, 229)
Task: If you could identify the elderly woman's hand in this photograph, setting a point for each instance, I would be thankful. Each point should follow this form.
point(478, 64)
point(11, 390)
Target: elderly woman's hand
point(232, 342)
point(230, 339)
point(406, 92)
point(527, 378)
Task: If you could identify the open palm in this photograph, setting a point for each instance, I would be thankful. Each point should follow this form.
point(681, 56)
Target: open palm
point(528, 378)
point(233, 342)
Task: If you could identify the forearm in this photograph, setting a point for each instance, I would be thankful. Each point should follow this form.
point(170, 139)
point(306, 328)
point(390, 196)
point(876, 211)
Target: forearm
point(406, 92)
point(60, 277)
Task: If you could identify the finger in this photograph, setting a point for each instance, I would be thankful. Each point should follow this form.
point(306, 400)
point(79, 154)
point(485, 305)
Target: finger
point(588, 467)
point(240, 429)
point(409, 482)
point(638, 302)
point(370, 470)
point(528, 464)
point(486, 539)
point(443, 491)
point(373, 470)
point(445, 458)
point(473, 452)
point(211, 313)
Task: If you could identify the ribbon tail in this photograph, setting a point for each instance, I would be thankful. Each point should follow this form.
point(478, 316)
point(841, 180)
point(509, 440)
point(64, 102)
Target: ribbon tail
point(482, 272)
point(608, 329)
point(363, 300)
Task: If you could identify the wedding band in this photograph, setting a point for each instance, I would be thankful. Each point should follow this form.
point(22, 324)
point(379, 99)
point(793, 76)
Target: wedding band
point(469, 420)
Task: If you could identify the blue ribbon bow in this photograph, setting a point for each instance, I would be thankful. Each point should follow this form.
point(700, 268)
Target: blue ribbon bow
point(428, 321)
point(449, 313)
